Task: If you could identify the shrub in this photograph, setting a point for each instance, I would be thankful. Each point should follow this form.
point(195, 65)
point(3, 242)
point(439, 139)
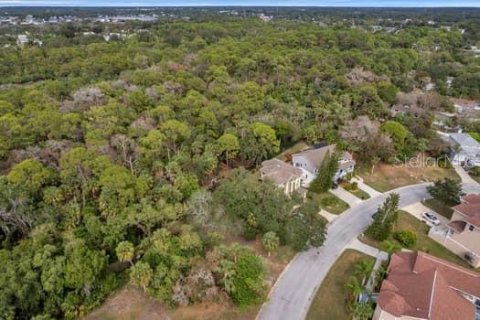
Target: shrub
point(351, 186)
point(329, 201)
point(475, 171)
point(248, 280)
point(406, 238)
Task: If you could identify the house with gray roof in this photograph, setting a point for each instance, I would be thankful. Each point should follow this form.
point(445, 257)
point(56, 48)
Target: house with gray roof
point(311, 160)
point(466, 150)
point(282, 174)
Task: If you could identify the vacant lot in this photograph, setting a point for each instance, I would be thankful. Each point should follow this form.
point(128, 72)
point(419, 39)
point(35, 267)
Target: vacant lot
point(131, 303)
point(408, 222)
point(330, 300)
point(386, 177)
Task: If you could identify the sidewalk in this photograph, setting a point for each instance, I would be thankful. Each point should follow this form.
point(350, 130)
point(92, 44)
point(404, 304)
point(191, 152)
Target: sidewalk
point(327, 215)
point(380, 256)
point(464, 176)
point(365, 248)
point(346, 196)
point(371, 192)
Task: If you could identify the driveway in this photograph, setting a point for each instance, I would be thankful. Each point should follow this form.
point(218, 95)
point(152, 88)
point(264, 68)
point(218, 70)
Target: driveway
point(371, 192)
point(291, 296)
point(464, 176)
point(418, 208)
point(346, 196)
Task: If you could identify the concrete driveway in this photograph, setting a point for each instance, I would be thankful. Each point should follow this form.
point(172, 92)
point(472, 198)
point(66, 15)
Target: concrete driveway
point(293, 292)
point(464, 176)
point(418, 208)
point(371, 192)
point(346, 196)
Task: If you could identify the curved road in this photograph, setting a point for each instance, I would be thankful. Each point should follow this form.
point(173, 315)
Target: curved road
point(291, 296)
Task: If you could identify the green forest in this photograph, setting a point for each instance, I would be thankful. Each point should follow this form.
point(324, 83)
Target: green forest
point(131, 161)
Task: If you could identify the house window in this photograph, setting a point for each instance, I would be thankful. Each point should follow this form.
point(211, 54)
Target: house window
point(471, 227)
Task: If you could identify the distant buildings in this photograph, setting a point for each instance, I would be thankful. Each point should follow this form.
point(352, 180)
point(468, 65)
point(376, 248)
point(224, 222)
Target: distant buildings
point(419, 286)
point(31, 20)
point(265, 18)
point(22, 39)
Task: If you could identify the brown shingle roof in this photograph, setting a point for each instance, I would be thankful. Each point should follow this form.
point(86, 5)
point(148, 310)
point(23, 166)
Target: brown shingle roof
point(279, 172)
point(419, 285)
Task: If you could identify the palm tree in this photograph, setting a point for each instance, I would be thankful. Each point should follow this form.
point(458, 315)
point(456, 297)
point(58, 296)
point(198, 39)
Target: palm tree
point(125, 252)
point(363, 268)
point(141, 274)
point(389, 247)
point(270, 242)
point(354, 289)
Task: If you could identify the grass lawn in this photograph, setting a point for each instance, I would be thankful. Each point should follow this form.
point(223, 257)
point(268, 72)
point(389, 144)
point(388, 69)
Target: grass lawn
point(439, 207)
point(329, 302)
point(386, 177)
point(476, 178)
point(329, 202)
point(359, 193)
point(424, 243)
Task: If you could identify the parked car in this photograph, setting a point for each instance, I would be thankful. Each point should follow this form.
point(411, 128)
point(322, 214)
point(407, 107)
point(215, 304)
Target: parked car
point(429, 217)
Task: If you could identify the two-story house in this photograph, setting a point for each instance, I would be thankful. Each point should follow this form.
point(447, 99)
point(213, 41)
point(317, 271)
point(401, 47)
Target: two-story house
point(463, 236)
point(282, 174)
point(311, 160)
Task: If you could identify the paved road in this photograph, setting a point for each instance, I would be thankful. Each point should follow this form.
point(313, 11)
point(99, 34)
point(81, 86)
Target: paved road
point(296, 287)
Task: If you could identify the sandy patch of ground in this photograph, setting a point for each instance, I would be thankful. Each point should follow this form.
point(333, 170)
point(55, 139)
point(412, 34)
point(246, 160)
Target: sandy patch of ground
point(129, 304)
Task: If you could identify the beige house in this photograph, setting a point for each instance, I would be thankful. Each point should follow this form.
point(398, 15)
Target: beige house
point(420, 286)
point(282, 174)
point(463, 236)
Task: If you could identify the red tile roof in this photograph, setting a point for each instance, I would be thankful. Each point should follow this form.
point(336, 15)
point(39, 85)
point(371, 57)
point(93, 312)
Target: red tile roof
point(471, 198)
point(419, 285)
point(470, 208)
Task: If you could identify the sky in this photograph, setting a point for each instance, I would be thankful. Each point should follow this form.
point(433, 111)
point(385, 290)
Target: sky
point(319, 3)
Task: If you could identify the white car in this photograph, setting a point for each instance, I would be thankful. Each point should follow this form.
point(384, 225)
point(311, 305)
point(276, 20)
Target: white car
point(429, 217)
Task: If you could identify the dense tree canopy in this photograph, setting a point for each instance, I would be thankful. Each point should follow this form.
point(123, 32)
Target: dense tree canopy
point(121, 161)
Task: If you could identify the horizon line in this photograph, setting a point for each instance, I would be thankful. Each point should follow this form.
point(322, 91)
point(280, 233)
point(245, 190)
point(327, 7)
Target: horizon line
point(241, 6)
